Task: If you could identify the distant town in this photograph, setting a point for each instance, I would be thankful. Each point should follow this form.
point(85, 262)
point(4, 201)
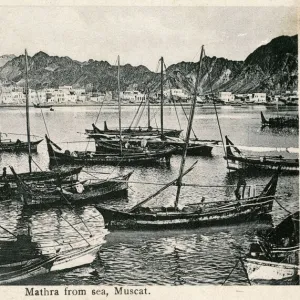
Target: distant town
point(13, 95)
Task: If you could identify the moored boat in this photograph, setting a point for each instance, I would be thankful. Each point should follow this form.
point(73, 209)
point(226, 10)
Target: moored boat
point(275, 256)
point(131, 131)
point(8, 182)
point(22, 258)
point(75, 193)
point(196, 147)
point(190, 216)
point(42, 105)
point(7, 145)
point(237, 160)
point(282, 121)
point(74, 254)
point(87, 157)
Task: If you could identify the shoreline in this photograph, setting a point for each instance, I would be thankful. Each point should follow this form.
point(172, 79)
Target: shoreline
point(152, 104)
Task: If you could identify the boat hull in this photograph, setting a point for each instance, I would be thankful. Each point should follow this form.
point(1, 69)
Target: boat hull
point(94, 192)
point(171, 220)
point(267, 270)
point(280, 122)
point(75, 258)
point(18, 146)
point(238, 163)
point(133, 132)
point(26, 269)
point(200, 149)
point(43, 176)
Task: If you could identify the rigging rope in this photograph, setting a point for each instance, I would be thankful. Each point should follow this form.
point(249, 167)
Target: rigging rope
point(95, 123)
point(171, 97)
point(187, 119)
point(211, 90)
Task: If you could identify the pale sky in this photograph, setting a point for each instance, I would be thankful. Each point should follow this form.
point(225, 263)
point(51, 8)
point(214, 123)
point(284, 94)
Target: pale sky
point(141, 35)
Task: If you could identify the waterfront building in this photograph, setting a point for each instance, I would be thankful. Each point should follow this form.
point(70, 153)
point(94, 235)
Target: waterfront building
point(226, 97)
point(132, 96)
point(6, 98)
point(176, 93)
point(258, 97)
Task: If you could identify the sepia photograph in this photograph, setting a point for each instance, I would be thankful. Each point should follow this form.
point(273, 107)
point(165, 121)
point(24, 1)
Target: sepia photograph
point(148, 145)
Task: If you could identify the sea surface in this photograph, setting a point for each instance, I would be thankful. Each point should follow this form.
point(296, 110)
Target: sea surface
point(202, 256)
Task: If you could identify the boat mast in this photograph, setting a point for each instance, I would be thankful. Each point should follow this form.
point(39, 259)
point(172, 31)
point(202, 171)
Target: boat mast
point(27, 111)
point(188, 132)
point(119, 103)
point(148, 99)
point(162, 95)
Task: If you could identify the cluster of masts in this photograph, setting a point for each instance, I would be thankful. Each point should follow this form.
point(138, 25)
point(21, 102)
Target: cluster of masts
point(133, 146)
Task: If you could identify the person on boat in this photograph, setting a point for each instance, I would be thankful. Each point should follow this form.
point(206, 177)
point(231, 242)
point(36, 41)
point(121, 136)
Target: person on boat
point(127, 145)
point(4, 173)
point(140, 129)
point(241, 183)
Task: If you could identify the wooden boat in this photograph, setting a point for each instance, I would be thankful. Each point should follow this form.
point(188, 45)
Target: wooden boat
point(22, 259)
point(43, 176)
point(237, 160)
point(195, 215)
point(280, 121)
point(195, 147)
point(131, 145)
point(275, 256)
point(48, 195)
point(74, 254)
point(87, 157)
point(42, 105)
point(7, 145)
point(132, 131)
point(201, 215)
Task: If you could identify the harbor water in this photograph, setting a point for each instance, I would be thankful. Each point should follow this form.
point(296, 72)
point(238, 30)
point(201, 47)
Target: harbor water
point(203, 256)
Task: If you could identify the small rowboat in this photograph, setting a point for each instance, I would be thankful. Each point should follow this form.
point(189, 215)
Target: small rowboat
point(237, 160)
point(17, 146)
point(276, 255)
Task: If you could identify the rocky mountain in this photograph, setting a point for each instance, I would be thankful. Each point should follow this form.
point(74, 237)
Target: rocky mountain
point(5, 58)
point(271, 67)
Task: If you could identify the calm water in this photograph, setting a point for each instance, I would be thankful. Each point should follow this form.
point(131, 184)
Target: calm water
point(196, 257)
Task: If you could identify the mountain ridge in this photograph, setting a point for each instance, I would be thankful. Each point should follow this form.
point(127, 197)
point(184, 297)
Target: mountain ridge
point(270, 68)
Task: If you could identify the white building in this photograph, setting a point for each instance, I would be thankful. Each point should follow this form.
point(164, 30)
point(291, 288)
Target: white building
point(132, 96)
point(258, 98)
point(39, 96)
point(19, 97)
point(178, 93)
point(79, 92)
point(65, 87)
point(6, 98)
point(226, 97)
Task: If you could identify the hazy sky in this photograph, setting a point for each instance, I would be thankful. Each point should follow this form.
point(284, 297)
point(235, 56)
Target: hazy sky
point(140, 35)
